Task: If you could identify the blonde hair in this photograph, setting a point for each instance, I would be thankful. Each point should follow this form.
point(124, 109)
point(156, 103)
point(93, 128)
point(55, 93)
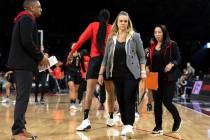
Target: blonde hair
point(115, 28)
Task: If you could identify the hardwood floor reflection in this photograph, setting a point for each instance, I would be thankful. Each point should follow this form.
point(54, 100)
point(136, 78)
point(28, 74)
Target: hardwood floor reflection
point(54, 121)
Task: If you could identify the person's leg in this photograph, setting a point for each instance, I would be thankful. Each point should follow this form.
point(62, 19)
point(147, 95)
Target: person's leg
point(150, 100)
point(73, 88)
point(91, 84)
point(168, 95)
point(109, 86)
point(8, 87)
point(130, 87)
point(157, 96)
point(36, 89)
point(51, 84)
point(76, 90)
point(73, 101)
point(137, 102)
point(140, 95)
point(77, 82)
point(72, 92)
point(43, 85)
point(81, 90)
point(118, 84)
point(92, 79)
point(24, 82)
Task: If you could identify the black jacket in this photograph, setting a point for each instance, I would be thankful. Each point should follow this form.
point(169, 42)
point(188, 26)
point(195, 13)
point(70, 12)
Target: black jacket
point(25, 50)
point(170, 54)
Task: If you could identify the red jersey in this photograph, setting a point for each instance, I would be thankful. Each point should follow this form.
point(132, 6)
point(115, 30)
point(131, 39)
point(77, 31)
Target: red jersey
point(91, 33)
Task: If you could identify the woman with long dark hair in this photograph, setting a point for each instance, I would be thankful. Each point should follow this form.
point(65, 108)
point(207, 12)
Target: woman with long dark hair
point(164, 59)
point(98, 33)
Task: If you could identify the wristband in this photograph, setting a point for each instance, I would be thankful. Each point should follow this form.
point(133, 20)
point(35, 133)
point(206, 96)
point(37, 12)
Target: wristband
point(143, 71)
point(143, 75)
point(172, 64)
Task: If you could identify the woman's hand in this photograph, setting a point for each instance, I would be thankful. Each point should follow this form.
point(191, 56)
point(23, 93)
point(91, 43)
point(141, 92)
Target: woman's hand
point(143, 74)
point(70, 56)
point(100, 79)
point(168, 67)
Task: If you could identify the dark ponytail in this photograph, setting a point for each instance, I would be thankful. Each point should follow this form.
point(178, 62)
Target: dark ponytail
point(103, 16)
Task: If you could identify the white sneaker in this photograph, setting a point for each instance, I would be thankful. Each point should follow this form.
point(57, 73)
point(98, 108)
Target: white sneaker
point(79, 106)
point(73, 107)
point(127, 131)
point(42, 102)
point(117, 118)
point(110, 122)
point(14, 102)
point(117, 113)
point(5, 105)
point(84, 126)
point(5, 100)
point(183, 96)
point(136, 116)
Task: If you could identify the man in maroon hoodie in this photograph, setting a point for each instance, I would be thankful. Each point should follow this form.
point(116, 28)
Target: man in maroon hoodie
point(24, 58)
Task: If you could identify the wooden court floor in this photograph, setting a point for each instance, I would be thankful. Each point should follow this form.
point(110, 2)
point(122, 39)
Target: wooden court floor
point(54, 121)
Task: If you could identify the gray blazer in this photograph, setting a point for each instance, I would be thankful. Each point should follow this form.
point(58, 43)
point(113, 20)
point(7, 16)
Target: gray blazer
point(134, 55)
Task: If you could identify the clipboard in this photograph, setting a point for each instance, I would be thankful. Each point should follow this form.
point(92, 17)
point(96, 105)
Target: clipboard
point(152, 81)
point(52, 61)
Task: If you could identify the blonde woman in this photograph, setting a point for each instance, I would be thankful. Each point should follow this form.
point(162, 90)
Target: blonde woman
point(124, 61)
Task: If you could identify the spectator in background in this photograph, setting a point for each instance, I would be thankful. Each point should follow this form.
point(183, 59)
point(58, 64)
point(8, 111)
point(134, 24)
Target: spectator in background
point(191, 71)
point(58, 75)
point(74, 77)
point(41, 85)
point(10, 82)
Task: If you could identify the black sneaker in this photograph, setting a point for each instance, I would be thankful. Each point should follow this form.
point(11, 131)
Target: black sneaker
point(149, 107)
point(36, 102)
point(42, 101)
point(157, 130)
point(177, 125)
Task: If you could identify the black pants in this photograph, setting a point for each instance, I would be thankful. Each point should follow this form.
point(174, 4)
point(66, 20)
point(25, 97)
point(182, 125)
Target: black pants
point(126, 96)
point(164, 94)
point(40, 84)
point(23, 85)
